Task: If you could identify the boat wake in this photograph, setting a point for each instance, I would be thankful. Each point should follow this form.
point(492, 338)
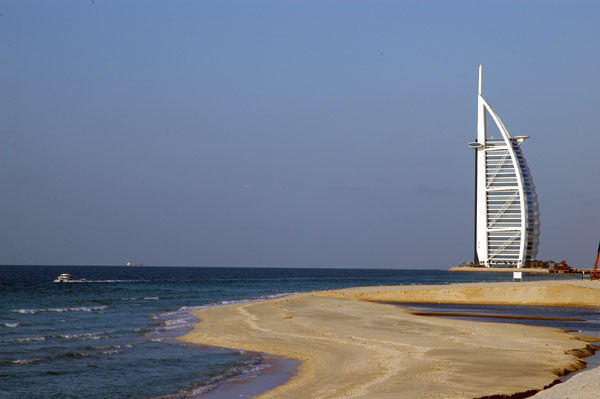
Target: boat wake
point(83, 280)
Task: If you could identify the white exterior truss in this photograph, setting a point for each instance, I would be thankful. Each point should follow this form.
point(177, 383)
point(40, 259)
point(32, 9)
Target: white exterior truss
point(507, 216)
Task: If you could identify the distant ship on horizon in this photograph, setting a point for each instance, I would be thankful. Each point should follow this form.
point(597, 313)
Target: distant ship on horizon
point(133, 264)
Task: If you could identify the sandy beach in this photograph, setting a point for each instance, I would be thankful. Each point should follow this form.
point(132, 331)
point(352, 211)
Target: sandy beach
point(572, 293)
point(350, 347)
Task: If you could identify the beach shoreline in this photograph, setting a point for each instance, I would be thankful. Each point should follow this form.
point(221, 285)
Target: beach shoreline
point(349, 346)
point(276, 371)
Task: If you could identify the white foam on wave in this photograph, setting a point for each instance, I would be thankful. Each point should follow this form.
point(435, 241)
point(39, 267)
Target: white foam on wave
point(80, 309)
point(10, 325)
point(25, 339)
point(25, 361)
point(62, 310)
point(25, 311)
point(111, 352)
point(175, 323)
point(172, 324)
point(151, 298)
point(105, 347)
point(82, 336)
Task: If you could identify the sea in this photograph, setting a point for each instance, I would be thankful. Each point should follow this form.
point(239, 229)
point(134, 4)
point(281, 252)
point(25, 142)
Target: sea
point(112, 332)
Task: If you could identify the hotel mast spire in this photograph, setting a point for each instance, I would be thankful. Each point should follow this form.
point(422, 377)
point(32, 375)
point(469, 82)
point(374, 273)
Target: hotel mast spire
point(479, 92)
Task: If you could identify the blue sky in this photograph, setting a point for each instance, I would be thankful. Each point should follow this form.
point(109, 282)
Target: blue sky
point(286, 133)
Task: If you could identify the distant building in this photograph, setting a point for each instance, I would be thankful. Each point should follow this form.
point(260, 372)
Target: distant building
point(506, 207)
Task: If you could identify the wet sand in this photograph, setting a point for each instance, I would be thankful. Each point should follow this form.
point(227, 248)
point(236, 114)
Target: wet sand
point(351, 348)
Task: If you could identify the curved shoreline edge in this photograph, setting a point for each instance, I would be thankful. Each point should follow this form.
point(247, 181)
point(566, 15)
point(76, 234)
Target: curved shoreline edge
point(350, 347)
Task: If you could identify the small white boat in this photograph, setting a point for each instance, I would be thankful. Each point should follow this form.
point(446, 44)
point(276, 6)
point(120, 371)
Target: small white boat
point(64, 278)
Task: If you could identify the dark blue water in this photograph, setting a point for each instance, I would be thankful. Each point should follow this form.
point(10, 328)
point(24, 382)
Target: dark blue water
point(111, 334)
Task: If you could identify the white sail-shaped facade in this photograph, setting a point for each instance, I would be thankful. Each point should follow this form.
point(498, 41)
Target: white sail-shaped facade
point(507, 216)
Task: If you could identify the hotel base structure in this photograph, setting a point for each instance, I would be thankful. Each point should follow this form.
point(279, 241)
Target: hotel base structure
point(506, 207)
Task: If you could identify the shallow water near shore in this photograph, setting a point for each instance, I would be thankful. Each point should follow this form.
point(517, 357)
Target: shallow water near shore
point(579, 321)
point(113, 330)
point(584, 321)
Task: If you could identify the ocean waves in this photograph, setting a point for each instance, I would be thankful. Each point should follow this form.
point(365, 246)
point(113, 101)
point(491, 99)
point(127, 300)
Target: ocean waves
point(122, 329)
point(251, 366)
point(62, 310)
point(41, 338)
point(82, 336)
point(147, 298)
point(24, 361)
point(74, 353)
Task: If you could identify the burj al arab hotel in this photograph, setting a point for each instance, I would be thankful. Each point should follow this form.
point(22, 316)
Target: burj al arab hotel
point(506, 207)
